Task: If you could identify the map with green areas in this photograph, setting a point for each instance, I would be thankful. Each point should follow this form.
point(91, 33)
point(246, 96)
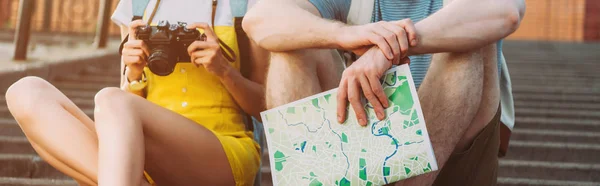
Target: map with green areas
point(307, 146)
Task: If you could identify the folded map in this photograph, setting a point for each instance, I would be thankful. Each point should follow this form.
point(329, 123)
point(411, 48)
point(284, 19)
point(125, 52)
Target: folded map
point(307, 146)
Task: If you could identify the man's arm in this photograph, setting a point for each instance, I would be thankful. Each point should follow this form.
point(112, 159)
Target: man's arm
point(285, 25)
point(465, 25)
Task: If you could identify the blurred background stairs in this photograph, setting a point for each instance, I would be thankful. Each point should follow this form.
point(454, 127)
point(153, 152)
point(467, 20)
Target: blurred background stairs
point(556, 138)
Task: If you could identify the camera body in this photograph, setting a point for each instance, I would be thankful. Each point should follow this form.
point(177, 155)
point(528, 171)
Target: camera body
point(168, 45)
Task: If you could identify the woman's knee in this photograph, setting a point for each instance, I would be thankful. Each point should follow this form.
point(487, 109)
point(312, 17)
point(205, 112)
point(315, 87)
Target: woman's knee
point(110, 97)
point(23, 96)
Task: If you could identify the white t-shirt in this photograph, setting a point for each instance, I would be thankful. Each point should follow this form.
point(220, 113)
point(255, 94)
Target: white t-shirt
point(190, 11)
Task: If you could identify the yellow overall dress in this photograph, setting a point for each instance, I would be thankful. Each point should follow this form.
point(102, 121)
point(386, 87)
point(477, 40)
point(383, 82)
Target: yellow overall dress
point(199, 95)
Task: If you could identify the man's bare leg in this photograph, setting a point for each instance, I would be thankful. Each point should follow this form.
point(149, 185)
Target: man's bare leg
point(302, 73)
point(459, 96)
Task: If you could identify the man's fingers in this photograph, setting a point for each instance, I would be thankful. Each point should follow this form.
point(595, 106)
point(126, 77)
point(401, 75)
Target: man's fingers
point(382, 44)
point(403, 44)
point(378, 91)
point(390, 38)
point(133, 27)
point(355, 102)
point(210, 35)
point(342, 101)
point(370, 95)
point(405, 60)
point(410, 29)
point(398, 32)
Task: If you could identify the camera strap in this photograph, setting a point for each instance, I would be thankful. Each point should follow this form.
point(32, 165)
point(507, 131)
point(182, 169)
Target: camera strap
point(227, 52)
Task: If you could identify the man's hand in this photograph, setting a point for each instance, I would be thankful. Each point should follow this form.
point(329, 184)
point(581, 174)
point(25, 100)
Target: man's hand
point(393, 38)
point(365, 75)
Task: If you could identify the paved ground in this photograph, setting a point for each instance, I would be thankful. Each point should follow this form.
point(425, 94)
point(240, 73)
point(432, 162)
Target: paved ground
point(555, 141)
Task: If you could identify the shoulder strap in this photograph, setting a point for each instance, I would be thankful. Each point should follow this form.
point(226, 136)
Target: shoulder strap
point(138, 7)
point(238, 7)
point(360, 12)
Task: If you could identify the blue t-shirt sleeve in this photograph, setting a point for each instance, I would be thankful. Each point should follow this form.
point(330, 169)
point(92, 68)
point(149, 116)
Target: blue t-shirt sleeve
point(333, 9)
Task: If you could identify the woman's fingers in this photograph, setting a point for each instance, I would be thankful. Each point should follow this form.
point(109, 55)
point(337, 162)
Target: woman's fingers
point(133, 26)
point(201, 45)
point(136, 44)
point(201, 57)
point(210, 35)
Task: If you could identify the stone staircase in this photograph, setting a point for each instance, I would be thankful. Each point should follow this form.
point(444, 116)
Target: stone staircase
point(555, 141)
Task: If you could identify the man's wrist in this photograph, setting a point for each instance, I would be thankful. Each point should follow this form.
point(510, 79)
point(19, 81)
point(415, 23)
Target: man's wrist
point(333, 36)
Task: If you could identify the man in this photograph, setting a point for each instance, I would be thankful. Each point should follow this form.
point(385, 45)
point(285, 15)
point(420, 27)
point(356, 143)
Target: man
point(458, 86)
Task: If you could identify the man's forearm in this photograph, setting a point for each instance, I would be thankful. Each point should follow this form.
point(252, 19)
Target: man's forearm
point(285, 25)
point(464, 25)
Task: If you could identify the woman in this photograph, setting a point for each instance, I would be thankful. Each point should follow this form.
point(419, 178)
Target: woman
point(182, 129)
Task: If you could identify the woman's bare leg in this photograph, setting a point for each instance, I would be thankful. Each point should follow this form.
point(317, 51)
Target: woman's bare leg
point(59, 131)
point(135, 134)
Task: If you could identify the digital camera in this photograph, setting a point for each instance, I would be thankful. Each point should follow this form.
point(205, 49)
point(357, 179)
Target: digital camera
point(168, 45)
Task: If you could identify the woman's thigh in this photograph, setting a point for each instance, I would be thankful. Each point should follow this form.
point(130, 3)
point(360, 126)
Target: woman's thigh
point(178, 151)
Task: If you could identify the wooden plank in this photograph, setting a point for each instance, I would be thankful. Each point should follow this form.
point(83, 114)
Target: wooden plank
point(22, 33)
point(103, 24)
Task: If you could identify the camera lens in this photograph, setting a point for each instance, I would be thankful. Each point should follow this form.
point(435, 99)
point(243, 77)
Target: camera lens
point(158, 62)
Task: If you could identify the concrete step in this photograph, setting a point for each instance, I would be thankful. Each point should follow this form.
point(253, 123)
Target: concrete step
point(558, 113)
point(15, 145)
point(539, 98)
point(553, 151)
point(535, 123)
point(557, 105)
point(563, 136)
point(511, 181)
point(564, 90)
point(78, 85)
point(586, 172)
point(91, 79)
point(5, 113)
point(514, 72)
point(12, 181)
point(27, 166)
point(9, 127)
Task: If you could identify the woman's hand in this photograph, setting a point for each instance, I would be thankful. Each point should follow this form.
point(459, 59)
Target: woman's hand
point(208, 53)
point(135, 53)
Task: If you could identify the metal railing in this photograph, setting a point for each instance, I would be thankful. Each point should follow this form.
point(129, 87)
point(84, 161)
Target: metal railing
point(58, 16)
